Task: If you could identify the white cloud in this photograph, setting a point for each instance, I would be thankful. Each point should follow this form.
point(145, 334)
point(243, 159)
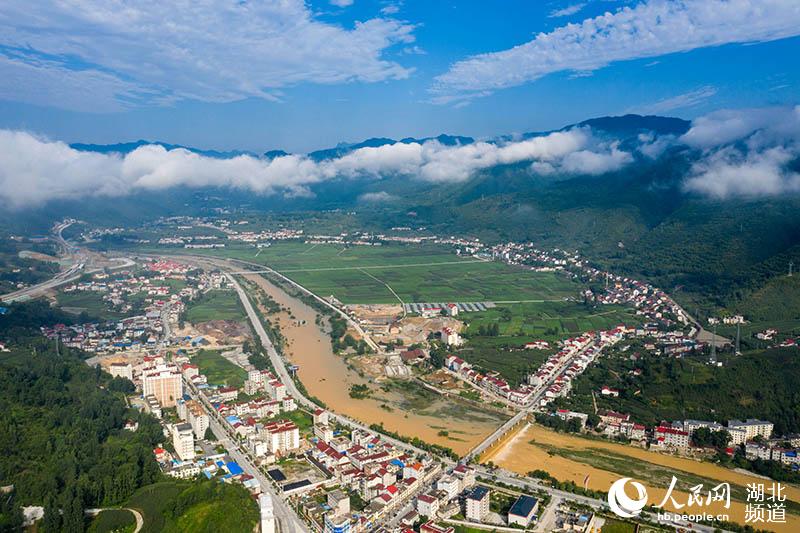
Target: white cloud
point(745, 153)
point(377, 197)
point(649, 29)
point(728, 125)
point(566, 11)
point(152, 51)
point(34, 170)
point(680, 101)
point(342, 3)
point(730, 173)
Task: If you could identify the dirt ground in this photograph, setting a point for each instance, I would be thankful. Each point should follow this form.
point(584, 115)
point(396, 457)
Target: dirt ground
point(217, 332)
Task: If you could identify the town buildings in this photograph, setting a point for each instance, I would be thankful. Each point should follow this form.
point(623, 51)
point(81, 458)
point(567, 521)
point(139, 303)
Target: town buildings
point(163, 382)
point(183, 441)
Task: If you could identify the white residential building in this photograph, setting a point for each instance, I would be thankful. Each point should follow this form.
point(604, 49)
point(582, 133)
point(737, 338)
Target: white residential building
point(282, 436)
point(753, 427)
point(183, 441)
point(477, 504)
point(164, 382)
point(121, 370)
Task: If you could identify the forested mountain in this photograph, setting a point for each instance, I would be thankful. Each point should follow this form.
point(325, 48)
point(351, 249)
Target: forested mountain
point(639, 217)
point(62, 442)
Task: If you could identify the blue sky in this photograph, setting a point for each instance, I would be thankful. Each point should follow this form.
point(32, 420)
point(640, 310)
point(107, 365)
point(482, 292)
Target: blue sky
point(268, 75)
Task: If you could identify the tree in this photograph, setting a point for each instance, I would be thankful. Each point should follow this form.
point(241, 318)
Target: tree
point(51, 522)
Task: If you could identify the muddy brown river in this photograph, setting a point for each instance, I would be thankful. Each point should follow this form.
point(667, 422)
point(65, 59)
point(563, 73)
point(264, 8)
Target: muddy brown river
point(327, 377)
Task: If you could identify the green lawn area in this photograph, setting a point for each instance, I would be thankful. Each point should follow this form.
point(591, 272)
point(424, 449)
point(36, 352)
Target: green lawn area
point(113, 520)
point(215, 305)
point(618, 526)
point(153, 500)
point(219, 370)
point(206, 506)
point(300, 417)
point(89, 301)
point(551, 321)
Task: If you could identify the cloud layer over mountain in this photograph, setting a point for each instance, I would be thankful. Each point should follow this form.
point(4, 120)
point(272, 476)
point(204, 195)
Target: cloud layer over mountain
point(735, 153)
point(759, 146)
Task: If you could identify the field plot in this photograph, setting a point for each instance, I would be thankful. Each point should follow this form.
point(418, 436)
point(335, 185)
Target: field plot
point(219, 370)
point(497, 336)
point(364, 274)
point(89, 302)
point(215, 305)
point(550, 320)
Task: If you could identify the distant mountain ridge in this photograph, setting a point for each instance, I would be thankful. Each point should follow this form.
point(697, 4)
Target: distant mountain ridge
point(622, 125)
point(128, 147)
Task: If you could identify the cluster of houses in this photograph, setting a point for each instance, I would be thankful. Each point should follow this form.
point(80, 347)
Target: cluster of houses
point(490, 382)
point(134, 333)
point(755, 435)
point(141, 332)
point(255, 421)
point(575, 355)
point(384, 476)
point(650, 302)
point(456, 492)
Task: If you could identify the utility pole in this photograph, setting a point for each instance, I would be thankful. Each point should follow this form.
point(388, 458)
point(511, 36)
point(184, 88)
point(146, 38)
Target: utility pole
point(714, 344)
point(738, 336)
point(791, 265)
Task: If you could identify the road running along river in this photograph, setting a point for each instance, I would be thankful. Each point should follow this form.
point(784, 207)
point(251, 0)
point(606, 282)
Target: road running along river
point(327, 377)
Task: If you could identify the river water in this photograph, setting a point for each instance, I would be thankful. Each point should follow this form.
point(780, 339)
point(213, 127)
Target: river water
point(327, 377)
point(519, 455)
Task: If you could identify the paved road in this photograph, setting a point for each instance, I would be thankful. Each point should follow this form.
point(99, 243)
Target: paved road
point(513, 421)
point(285, 517)
point(509, 478)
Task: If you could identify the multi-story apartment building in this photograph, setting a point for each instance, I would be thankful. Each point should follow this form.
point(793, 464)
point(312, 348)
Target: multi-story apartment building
point(164, 383)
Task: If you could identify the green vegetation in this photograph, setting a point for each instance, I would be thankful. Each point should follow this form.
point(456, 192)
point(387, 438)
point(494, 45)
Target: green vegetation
point(219, 370)
point(210, 506)
point(759, 384)
point(61, 439)
point(618, 526)
point(302, 418)
point(113, 520)
point(417, 273)
point(550, 321)
point(359, 391)
point(88, 302)
point(15, 269)
point(497, 336)
point(215, 305)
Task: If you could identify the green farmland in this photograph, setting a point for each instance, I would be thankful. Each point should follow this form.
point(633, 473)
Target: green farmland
point(497, 336)
point(551, 321)
point(215, 305)
point(418, 273)
point(219, 370)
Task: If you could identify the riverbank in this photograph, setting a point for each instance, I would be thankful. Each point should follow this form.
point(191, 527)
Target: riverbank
point(401, 409)
point(597, 464)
